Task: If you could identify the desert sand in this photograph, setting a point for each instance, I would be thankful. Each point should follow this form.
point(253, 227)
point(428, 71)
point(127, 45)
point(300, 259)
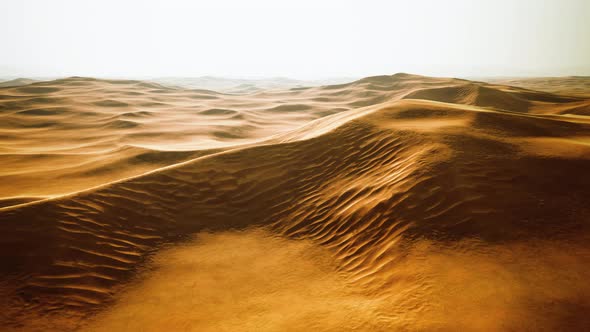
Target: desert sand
point(390, 203)
point(570, 85)
point(16, 82)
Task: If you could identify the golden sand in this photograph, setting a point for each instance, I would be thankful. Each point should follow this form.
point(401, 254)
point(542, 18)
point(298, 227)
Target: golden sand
point(390, 203)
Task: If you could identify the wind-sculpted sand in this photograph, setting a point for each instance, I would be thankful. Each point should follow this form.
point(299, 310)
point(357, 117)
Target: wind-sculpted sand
point(569, 85)
point(401, 202)
point(71, 134)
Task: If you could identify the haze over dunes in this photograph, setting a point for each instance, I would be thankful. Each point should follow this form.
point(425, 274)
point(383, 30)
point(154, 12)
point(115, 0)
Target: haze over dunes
point(242, 85)
point(397, 202)
point(571, 85)
point(16, 82)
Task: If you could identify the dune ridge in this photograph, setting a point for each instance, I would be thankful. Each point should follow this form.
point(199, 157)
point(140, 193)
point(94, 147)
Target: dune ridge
point(97, 123)
point(570, 85)
point(405, 169)
point(17, 82)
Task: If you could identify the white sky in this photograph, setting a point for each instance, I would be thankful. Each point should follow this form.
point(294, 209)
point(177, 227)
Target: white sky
point(300, 38)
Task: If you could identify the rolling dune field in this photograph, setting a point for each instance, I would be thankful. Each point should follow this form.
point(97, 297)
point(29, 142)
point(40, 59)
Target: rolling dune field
point(390, 203)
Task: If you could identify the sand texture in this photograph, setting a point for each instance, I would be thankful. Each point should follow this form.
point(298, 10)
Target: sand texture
point(391, 203)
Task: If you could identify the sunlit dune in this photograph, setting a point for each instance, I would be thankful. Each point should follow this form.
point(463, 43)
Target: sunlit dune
point(390, 203)
point(241, 281)
point(95, 131)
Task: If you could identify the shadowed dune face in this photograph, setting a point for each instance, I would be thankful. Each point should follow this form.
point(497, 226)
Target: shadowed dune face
point(452, 211)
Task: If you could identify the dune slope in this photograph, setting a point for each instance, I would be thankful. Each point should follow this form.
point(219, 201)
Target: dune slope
point(431, 204)
point(75, 133)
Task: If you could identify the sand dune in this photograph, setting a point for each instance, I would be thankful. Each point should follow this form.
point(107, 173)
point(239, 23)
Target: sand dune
point(390, 203)
point(16, 82)
point(241, 86)
point(95, 131)
point(571, 85)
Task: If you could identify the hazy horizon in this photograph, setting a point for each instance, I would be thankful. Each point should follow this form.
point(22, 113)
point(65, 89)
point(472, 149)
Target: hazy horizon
point(300, 40)
point(327, 79)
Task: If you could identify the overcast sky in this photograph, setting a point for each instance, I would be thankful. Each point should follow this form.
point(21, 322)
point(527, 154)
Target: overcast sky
point(299, 39)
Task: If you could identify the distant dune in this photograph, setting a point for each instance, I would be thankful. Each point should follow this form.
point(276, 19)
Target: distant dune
point(94, 131)
point(17, 82)
point(391, 203)
point(242, 86)
point(571, 85)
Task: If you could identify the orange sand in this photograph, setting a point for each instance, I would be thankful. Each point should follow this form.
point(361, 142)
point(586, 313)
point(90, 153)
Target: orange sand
point(390, 203)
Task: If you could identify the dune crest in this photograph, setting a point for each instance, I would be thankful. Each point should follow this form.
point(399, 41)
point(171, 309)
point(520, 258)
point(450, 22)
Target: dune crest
point(425, 198)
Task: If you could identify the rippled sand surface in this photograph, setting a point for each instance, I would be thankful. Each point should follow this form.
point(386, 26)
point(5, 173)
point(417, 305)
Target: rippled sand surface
point(396, 202)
